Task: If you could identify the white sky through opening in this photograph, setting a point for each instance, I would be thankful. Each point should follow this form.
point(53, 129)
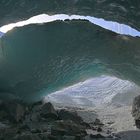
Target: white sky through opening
point(44, 18)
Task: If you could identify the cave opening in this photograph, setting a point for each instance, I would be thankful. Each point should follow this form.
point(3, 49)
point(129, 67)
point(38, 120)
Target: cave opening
point(44, 18)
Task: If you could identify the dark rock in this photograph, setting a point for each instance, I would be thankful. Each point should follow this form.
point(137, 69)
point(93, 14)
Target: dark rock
point(8, 133)
point(137, 122)
point(19, 110)
point(42, 122)
point(60, 138)
point(68, 137)
point(89, 137)
point(45, 136)
point(98, 122)
point(67, 128)
point(99, 129)
point(24, 127)
point(136, 111)
point(35, 117)
point(48, 111)
point(27, 137)
point(12, 111)
point(98, 135)
point(69, 115)
point(37, 103)
point(35, 131)
point(3, 115)
point(136, 107)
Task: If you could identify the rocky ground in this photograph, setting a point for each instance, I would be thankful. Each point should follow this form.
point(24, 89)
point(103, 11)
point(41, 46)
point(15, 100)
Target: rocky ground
point(115, 118)
point(43, 121)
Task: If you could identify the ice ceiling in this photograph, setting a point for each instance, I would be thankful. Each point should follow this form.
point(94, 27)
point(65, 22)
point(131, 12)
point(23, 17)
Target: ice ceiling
point(44, 58)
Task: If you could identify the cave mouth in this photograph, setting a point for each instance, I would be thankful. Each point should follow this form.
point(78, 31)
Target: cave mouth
point(98, 91)
point(43, 18)
point(106, 94)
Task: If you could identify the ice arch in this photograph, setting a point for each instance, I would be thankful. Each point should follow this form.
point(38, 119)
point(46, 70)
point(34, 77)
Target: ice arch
point(40, 59)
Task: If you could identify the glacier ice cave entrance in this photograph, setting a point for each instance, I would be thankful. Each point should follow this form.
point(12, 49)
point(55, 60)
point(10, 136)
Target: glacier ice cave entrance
point(95, 91)
point(69, 69)
point(103, 83)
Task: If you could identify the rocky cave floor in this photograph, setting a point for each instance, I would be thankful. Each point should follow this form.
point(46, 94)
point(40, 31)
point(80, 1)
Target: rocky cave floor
point(41, 121)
